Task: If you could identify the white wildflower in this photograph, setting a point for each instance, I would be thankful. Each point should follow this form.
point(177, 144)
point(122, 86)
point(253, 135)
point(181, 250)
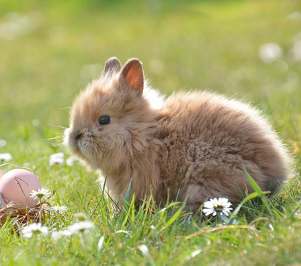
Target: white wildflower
point(70, 161)
point(34, 229)
point(5, 157)
point(40, 193)
point(58, 208)
point(3, 142)
point(58, 234)
point(214, 206)
point(270, 52)
point(80, 217)
point(80, 227)
point(57, 158)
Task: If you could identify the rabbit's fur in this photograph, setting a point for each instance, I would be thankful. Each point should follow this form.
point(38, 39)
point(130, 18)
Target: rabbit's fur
point(193, 147)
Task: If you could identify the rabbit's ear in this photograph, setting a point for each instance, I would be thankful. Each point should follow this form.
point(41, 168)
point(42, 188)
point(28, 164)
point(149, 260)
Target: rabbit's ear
point(132, 74)
point(112, 64)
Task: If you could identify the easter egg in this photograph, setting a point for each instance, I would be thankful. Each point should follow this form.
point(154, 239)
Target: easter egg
point(1, 174)
point(16, 185)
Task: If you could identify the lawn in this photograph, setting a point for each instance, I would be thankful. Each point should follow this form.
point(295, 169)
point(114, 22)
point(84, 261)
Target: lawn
point(50, 50)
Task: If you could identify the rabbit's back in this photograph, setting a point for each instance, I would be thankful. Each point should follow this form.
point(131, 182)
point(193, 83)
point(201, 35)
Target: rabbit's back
point(208, 140)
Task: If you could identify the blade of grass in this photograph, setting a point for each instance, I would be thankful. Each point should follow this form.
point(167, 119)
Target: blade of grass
point(135, 237)
point(127, 195)
point(172, 219)
point(126, 203)
point(237, 209)
point(258, 190)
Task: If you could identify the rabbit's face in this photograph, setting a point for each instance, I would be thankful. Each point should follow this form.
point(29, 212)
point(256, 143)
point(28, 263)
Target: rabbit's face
point(103, 118)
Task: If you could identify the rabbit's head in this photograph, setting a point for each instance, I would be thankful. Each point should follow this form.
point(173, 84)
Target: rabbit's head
point(109, 117)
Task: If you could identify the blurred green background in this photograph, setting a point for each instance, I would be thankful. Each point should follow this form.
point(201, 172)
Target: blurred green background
point(50, 50)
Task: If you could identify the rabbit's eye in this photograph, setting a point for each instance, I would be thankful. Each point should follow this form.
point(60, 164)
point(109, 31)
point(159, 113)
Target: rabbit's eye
point(104, 120)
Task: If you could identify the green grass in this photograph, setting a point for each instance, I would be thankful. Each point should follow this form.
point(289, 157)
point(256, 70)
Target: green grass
point(192, 45)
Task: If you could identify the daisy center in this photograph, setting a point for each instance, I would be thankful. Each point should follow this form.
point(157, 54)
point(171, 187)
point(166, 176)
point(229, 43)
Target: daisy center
point(219, 208)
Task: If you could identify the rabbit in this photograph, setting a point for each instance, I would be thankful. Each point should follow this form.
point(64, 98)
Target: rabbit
point(190, 147)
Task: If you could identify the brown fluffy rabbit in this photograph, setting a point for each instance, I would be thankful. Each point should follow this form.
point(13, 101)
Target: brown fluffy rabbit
point(192, 147)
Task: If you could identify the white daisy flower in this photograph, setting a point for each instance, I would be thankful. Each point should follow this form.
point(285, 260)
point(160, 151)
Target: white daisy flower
point(34, 229)
point(270, 52)
point(80, 227)
point(80, 217)
point(58, 208)
point(58, 234)
point(57, 158)
point(5, 157)
point(70, 161)
point(3, 142)
point(214, 206)
point(40, 193)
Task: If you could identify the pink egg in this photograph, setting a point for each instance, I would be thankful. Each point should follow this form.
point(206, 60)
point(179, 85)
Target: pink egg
point(1, 174)
point(11, 183)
